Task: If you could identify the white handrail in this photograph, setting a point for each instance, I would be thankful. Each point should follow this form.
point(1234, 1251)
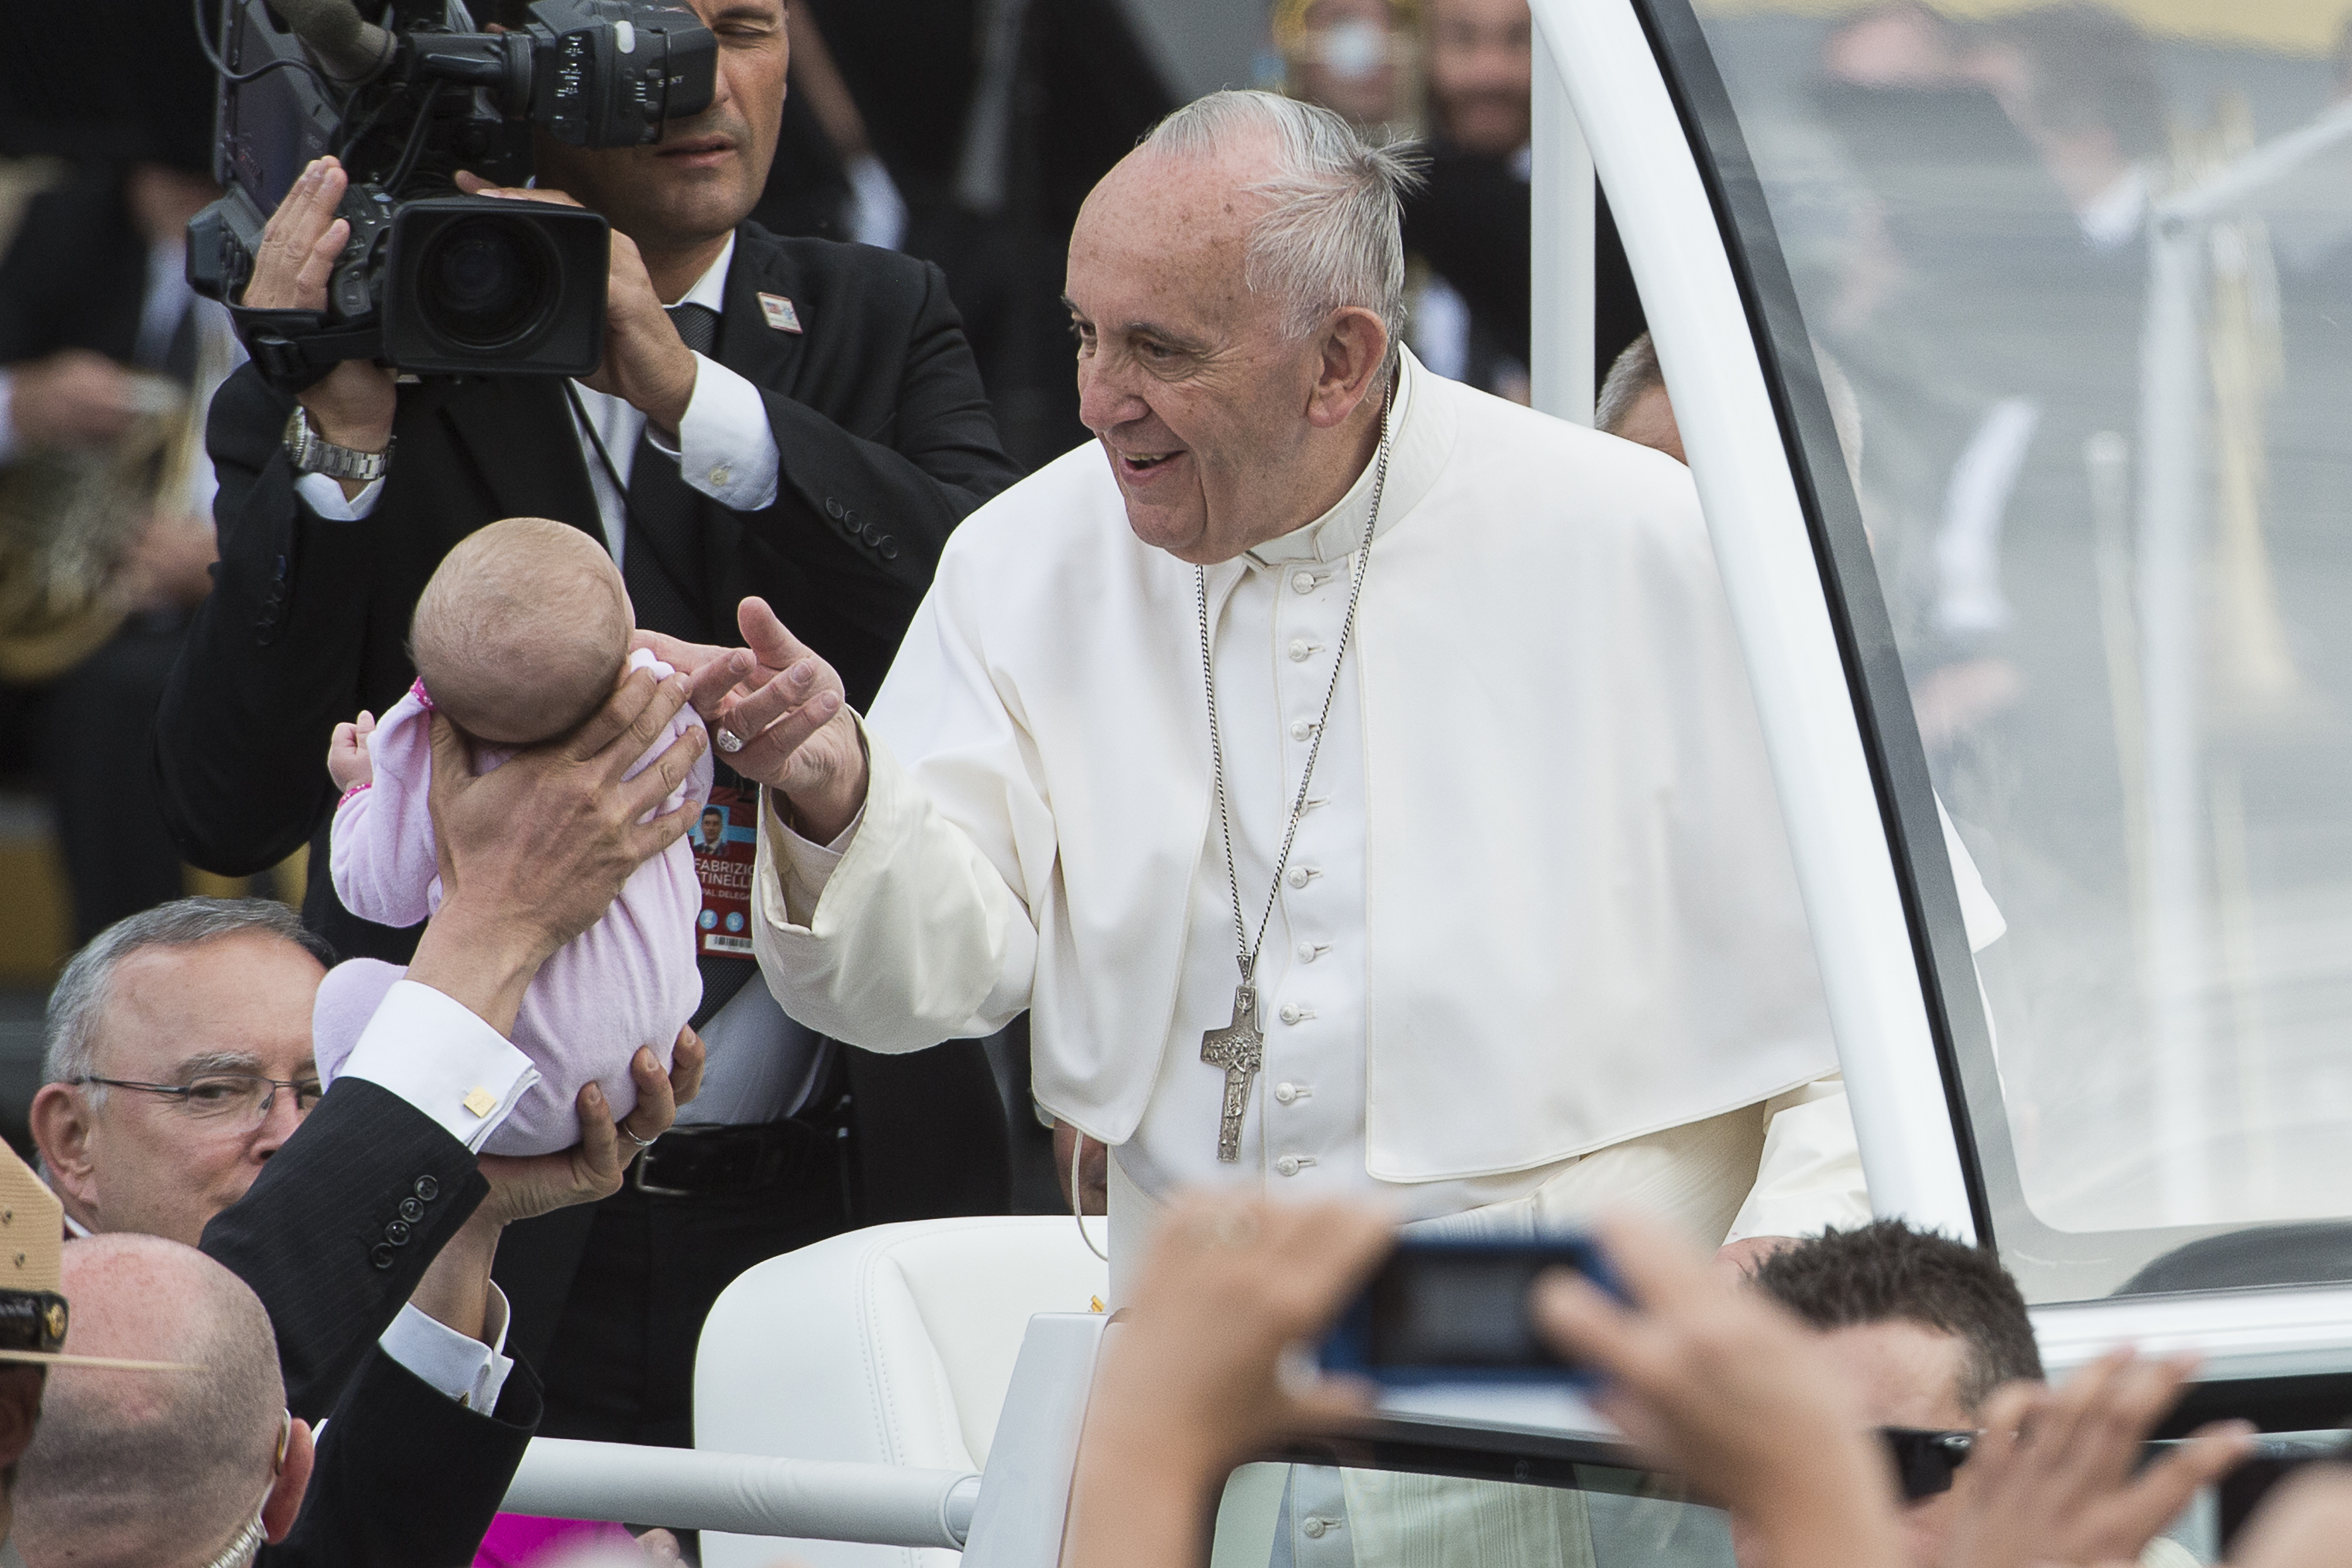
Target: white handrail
point(1708, 351)
point(745, 1494)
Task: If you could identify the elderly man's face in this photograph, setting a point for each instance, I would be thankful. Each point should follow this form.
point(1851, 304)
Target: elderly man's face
point(147, 1163)
point(706, 174)
point(1206, 406)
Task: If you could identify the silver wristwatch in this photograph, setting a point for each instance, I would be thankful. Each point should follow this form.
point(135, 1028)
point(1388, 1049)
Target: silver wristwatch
point(314, 454)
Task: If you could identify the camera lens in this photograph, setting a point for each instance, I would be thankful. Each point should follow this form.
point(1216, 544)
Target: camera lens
point(487, 283)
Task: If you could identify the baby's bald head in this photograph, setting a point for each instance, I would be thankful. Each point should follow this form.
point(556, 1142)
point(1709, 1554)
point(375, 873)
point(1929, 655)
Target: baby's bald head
point(522, 633)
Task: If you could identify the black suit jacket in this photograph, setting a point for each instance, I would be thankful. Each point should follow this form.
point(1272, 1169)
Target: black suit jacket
point(405, 1477)
point(334, 1237)
point(884, 439)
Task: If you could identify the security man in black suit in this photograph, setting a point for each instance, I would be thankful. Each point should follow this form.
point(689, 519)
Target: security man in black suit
point(868, 438)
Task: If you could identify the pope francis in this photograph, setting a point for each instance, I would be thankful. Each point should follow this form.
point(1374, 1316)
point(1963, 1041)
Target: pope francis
point(1355, 775)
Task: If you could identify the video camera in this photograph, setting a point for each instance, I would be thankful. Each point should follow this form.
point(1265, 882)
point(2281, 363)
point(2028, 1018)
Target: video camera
point(432, 280)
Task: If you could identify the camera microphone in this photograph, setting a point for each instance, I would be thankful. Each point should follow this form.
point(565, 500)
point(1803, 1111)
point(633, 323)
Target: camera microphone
point(352, 48)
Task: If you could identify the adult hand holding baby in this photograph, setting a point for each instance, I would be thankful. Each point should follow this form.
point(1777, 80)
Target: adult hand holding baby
point(534, 852)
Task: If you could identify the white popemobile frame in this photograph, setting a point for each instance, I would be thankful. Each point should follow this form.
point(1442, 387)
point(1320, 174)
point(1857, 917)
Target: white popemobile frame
point(1598, 86)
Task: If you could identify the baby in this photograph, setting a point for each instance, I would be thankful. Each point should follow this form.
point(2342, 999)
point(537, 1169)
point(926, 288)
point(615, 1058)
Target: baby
point(522, 635)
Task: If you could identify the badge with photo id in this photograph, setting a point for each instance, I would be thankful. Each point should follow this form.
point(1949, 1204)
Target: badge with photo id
point(725, 840)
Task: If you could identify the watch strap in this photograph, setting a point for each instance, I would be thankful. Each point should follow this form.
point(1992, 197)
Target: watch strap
point(313, 454)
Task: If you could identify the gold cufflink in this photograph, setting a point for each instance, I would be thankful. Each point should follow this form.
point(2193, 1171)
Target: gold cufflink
point(480, 1101)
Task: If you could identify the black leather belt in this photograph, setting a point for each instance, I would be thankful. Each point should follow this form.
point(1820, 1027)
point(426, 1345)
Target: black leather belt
point(697, 1158)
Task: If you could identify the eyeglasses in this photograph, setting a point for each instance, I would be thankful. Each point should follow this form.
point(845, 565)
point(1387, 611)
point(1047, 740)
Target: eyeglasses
point(1924, 1459)
point(229, 1098)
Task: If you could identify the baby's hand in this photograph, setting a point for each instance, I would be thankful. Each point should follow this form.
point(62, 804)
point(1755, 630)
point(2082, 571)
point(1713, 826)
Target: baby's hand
point(347, 754)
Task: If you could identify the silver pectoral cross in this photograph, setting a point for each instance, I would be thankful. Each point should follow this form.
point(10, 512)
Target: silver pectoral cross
point(1240, 1048)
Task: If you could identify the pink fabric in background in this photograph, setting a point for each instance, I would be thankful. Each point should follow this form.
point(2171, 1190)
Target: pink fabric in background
point(526, 1541)
point(627, 980)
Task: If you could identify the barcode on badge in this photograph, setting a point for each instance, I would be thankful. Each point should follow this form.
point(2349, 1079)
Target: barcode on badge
point(728, 943)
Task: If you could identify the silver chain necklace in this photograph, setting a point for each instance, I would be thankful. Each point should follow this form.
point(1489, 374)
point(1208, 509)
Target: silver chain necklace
point(1240, 1046)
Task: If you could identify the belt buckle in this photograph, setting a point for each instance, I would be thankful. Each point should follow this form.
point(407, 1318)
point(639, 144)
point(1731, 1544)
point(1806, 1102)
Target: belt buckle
point(637, 1176)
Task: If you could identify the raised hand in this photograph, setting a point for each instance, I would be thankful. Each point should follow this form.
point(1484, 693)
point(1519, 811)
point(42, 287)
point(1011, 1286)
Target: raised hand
point(796, 731)
point(534, 852)
point(348, 762)
point(1713, 1382)
point(354, 404)
point(647, 363)
point(2056, 1479)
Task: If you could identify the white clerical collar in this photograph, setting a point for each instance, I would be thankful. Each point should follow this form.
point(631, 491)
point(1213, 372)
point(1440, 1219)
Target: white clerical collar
point(1413, 461)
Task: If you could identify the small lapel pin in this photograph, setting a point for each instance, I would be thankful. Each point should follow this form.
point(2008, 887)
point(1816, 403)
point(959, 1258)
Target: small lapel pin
point(779, 312)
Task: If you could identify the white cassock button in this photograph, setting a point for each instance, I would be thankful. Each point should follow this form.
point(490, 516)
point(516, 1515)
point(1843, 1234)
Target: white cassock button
point(1309, 951)
point(1284, 1093)
point(1313, 1525)
point(1289, 1166)
point(721, 474)
point(1302, 875)
point(1302, 581)
point(1301, 728)
point(1292, 1012)
point(1299, 648)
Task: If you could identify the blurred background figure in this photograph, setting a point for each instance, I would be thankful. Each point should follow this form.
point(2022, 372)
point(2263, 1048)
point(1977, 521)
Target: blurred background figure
point(990, 119)
point(106, 361)
point(1469, 226)
point(1358, 59)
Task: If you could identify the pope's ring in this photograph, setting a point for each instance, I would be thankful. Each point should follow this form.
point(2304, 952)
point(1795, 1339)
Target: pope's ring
point(728, 740)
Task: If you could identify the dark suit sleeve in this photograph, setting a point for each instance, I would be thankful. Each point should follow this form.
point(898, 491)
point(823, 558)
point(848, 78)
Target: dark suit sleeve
point(340, 1228)
point(272, 657)
point(407, 1477)
point(911, 478)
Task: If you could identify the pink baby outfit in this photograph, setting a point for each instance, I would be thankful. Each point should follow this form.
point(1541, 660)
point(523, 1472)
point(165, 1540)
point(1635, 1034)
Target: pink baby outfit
point(627, 980)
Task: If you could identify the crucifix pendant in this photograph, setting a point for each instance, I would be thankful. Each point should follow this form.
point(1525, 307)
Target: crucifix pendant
point(1240, 1049)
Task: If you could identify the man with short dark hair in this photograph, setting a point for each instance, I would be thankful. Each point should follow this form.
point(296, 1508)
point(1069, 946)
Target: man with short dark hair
point(1927, 1326)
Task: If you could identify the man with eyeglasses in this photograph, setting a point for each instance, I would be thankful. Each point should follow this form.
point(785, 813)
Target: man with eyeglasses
point(183, 1103)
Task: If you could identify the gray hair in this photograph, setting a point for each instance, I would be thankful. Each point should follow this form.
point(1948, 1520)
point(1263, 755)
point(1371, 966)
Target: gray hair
point(1633, 372)
point(1334, 235)
point(80, 1001)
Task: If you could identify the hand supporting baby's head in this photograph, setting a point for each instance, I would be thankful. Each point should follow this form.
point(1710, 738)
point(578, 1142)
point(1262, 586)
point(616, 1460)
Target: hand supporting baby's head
point(522, 631)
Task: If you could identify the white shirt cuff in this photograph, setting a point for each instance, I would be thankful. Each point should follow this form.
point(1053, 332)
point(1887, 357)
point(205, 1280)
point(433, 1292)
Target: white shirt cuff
point(436, 1054)
point(325, 497)
point(808, 866)
point(725, 447)
point(460, 1365)
point(7, 424)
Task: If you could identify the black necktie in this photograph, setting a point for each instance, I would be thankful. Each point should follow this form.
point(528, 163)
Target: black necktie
point(662, 561)
point(663, 567)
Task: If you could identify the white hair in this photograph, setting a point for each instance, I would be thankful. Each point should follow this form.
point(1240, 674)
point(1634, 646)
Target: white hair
point(1334, 233)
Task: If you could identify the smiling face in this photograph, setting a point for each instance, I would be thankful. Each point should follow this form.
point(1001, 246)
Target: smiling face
point(706, 174)
point(1223, 429)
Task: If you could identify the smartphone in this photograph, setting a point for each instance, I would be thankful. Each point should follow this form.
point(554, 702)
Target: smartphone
point(1456, 1312)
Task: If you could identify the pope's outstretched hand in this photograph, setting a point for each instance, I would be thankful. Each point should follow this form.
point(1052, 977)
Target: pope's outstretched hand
point(796, 733)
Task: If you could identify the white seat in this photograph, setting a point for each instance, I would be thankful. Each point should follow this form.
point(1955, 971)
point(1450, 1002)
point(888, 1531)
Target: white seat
point(892, 1345)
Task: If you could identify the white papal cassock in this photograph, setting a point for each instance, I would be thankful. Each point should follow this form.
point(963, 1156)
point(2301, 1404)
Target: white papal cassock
point(1541, 904)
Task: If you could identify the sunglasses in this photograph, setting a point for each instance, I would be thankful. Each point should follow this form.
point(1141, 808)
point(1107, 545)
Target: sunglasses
point(1924, 1459)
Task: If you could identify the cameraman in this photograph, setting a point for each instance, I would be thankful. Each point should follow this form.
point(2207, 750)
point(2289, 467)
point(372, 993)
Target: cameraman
point(815, 446)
